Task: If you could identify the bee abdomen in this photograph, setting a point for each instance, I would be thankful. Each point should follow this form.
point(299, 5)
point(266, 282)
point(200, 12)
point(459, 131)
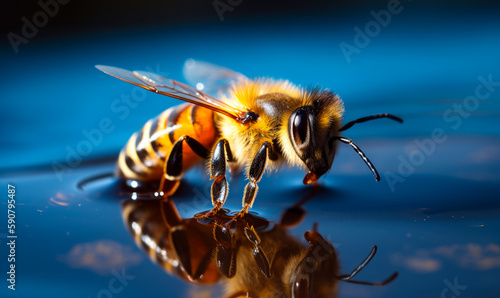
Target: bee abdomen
point(144, 155)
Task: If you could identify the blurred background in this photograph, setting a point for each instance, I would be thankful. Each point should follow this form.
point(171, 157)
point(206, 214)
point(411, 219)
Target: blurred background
point(49, 68)
point(434, 215)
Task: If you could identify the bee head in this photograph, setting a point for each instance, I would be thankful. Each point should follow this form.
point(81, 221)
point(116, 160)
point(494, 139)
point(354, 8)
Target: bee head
point(314, 130)
point(316, 274)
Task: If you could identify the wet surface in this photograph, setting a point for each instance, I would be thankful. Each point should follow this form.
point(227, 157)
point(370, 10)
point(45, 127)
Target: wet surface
point(433, 216)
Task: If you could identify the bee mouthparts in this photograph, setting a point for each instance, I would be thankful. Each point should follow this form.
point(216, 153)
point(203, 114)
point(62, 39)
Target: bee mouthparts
point(310, 178)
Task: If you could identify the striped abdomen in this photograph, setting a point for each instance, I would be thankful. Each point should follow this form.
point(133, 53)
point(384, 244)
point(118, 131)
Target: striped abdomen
point(144, 155)
point(150, 224)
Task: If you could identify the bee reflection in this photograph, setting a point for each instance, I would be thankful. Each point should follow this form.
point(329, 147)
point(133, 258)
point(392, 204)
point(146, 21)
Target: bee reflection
point(251, 256)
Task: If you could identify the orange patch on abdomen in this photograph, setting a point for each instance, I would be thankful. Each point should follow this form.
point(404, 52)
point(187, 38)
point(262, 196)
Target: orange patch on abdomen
point(146, 152)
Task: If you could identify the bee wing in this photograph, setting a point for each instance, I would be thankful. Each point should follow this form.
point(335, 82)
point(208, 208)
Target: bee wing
point(210, 78)
point(159, 84)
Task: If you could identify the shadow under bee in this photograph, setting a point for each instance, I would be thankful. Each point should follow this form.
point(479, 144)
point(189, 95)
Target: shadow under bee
point(251, 256)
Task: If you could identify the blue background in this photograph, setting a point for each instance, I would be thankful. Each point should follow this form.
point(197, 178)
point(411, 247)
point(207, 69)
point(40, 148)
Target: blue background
point(437, 221)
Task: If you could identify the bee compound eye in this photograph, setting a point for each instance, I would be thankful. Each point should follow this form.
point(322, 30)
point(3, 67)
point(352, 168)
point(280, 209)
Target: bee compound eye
point(300, 128)
point(300, 288)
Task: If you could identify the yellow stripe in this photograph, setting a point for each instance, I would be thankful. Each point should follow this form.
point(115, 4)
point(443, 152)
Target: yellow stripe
point(127, 173)
point(132, 153)
point(162, 120)
point(150, 165)
point(152, 159)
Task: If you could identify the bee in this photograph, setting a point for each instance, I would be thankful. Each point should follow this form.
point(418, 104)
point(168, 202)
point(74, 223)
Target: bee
point(251, 257)
point(257, 125)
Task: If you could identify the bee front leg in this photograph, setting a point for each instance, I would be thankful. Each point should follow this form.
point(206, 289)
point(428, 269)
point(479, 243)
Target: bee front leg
point(172, 171)
point(254, 175)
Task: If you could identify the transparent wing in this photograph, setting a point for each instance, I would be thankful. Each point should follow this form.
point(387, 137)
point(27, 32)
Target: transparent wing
point(210, 78)
point(159, 84)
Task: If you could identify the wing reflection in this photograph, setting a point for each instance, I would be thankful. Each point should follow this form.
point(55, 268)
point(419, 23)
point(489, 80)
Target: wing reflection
point(252, 256)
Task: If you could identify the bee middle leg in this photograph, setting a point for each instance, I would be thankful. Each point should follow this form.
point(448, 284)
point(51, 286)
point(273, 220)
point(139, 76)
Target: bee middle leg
point(172, 171)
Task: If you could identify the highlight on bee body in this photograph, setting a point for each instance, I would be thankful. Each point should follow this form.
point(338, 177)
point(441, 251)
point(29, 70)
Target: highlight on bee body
point(251, 256)
point(256, 125)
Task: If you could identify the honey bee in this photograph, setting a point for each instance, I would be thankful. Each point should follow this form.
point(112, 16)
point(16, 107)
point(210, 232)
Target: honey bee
point(256, 125)
point(251, 257)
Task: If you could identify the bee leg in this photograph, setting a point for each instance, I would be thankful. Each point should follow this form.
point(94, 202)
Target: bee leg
point(172, 171)
point(220, 188)
point(254, 175)
point(225, 251)
point(259, 255)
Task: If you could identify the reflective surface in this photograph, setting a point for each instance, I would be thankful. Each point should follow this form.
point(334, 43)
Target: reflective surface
point(433, 216)
point(250, 256)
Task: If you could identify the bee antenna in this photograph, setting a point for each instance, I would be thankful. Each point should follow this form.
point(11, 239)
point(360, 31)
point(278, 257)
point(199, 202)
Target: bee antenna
point(362, 155)
point(348, 277)
point(368, 118)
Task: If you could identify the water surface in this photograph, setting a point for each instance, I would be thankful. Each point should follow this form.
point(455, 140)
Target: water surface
point(434, 215)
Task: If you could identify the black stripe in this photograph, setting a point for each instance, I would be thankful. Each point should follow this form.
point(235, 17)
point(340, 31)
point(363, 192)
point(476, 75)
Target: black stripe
point(193, 116)
point(143, 156)
point(172, 120)
point(141, 153)
point(193, 113)
point(163, 243)
point(152, 130)
point(139, 138)
point(133, 166)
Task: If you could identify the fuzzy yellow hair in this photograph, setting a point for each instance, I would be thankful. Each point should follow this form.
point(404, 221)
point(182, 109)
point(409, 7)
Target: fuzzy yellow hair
point(246, 139)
